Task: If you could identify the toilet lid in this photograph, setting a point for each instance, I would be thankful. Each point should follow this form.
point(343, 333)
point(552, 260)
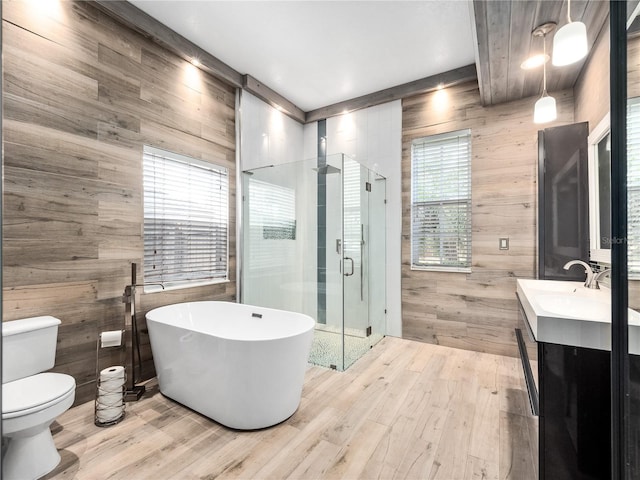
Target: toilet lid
point(35, 392)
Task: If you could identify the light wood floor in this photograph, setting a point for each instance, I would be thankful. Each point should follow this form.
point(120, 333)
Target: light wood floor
point(405, 410)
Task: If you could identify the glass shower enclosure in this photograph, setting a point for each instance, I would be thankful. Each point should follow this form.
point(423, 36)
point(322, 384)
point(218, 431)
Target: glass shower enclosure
point(314, 242)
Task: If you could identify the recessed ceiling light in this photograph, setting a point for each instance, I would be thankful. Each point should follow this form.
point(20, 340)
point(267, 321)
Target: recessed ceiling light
point(195, 62)
point(440, 86)
point(534, 61)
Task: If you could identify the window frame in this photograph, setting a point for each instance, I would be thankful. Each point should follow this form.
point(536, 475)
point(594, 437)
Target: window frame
point(599, 133)
point(596, 253)
point(224, 173)
point(442, 268)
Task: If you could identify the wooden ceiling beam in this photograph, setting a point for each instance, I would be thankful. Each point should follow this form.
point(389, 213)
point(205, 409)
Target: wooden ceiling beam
point(272, 97)
point(139, 21)
point(446, 79)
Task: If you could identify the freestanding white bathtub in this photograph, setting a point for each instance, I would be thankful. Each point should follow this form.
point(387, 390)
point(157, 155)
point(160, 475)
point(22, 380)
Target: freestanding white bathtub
point(239, 365)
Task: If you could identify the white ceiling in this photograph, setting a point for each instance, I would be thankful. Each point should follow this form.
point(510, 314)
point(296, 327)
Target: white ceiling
point(317, 53)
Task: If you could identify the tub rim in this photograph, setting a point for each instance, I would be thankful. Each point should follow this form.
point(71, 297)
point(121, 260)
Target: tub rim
point(193, 328)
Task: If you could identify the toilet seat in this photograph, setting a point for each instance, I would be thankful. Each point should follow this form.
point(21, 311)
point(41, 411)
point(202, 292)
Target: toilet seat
point(31, 394)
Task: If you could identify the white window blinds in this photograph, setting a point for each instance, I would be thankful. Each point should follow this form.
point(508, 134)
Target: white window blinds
point(633, 187)
point(353, 186)
point(272, 220)
point(185, 219)
point(441, 202)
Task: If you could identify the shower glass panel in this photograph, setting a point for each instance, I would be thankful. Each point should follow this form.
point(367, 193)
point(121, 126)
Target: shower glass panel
point(314, 242)
point(376, 248)
point(363, 259)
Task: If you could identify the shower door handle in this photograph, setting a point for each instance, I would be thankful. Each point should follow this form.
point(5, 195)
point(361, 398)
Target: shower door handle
point(352, 267)
point(361, 262)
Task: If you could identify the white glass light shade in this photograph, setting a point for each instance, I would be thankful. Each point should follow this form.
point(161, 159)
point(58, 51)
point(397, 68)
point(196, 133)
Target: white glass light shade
point(569, 44)
point(544, 110)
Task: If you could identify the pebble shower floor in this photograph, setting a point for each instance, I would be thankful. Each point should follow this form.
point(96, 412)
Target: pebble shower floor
point(326, 346)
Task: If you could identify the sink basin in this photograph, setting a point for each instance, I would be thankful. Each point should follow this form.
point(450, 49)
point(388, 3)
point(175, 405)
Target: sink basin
point(567, 313)
point(552, 286)
point(575, 306)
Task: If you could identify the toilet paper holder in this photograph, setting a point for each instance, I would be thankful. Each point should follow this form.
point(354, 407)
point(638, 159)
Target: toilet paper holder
point(110, 383)
point(111, 338)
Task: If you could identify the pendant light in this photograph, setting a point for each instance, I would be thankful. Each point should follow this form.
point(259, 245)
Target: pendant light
point(545, 108)
point(570, 42)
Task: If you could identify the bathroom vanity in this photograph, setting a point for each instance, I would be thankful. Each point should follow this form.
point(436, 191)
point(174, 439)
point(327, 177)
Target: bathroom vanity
point(565, 341)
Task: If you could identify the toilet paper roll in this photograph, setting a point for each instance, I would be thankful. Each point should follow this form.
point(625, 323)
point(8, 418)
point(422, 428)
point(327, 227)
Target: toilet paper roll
point(110, 399)
point(111, 338)
point(111, 385)
point(109, 414)
point(110, 374)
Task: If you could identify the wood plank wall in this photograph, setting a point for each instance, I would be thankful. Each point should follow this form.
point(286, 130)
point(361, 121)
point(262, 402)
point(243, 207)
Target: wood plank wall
point(633, 66)
point(477, 311)
point(82, 95)
point(592, 88)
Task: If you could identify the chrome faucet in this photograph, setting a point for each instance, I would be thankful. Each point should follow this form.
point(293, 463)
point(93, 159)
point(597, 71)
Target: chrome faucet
point(589, 283)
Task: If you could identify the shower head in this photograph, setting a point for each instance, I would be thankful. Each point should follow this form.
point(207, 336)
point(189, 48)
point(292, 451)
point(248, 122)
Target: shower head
point(252, 170)
point(327, 169)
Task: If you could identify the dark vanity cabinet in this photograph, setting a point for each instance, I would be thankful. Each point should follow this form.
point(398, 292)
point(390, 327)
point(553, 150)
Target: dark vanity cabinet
point(575, 405)
point(569, 389)
point(633, 453)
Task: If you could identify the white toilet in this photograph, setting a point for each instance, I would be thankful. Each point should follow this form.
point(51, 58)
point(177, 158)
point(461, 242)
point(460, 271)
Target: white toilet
point(31, 400)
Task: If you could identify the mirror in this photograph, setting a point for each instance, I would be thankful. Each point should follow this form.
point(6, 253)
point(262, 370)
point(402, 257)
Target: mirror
point(599, 145)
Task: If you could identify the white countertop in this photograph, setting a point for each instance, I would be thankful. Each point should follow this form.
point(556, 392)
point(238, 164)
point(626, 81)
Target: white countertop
point(567, 313)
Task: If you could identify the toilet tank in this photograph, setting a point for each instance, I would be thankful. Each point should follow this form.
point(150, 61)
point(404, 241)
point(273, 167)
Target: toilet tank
point(28, 346)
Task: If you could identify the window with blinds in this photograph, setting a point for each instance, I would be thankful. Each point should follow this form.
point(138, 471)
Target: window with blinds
point(272, 216)
point(633, 187)
point(353, 186)
point(441, 202)
point(186, 219)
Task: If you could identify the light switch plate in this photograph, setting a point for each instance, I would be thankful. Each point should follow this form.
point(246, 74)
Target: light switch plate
point(504, 243)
